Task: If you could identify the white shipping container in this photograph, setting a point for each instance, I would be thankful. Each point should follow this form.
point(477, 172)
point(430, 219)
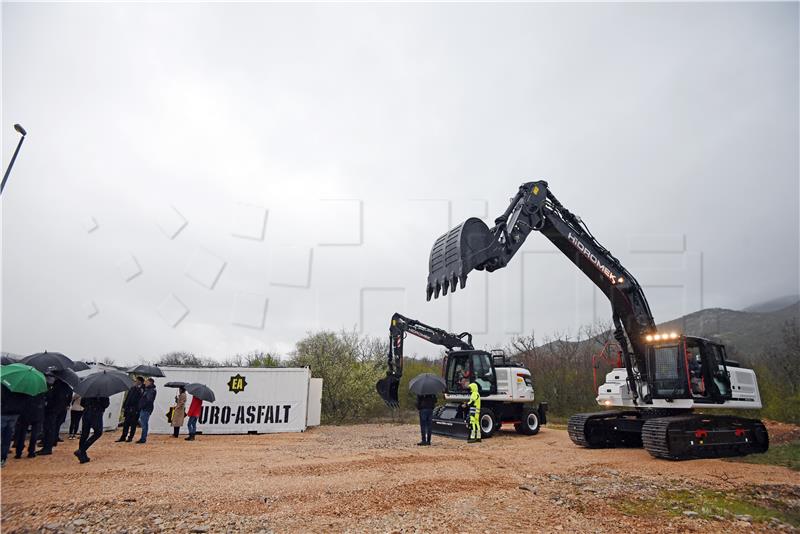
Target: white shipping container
point(248, 400)
point(314, 402)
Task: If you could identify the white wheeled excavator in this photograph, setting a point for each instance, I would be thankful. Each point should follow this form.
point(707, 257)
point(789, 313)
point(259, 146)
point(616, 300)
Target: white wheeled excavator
point(506, 387)
point(666, 377)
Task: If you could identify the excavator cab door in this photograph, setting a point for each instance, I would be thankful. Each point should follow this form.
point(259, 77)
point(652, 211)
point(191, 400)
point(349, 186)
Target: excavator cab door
point(714, 370)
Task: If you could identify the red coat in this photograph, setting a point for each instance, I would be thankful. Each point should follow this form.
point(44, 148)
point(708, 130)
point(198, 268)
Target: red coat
point(194, 407)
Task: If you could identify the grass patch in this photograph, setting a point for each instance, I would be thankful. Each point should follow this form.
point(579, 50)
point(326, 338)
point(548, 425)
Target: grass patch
point(785, 454)
point(708, 504)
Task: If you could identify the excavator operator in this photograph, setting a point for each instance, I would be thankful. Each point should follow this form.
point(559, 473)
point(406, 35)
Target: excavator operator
point(474, 413)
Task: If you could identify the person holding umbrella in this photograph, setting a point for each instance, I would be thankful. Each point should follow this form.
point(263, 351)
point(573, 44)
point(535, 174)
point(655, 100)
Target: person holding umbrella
point(93, 410)
point(199, 392)
point(130, 410)
point(146, 406)
point(31, 417)
point(19, 383)
point(95, 390)
point(178, 412)
point(75, 414)
point(195, 408)
point(11, 405)
point(426, 386)
point(57, 400)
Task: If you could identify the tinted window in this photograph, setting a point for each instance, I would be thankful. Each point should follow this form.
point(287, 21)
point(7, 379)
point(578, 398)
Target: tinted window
point(667, 372)
point(482, 367)
point(721, 380)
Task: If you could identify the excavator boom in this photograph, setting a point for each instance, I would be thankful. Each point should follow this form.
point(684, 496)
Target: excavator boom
point(388, 387)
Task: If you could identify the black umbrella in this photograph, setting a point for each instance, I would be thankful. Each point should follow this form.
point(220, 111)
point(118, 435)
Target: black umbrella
point(201, 391)
point(79, 366)
point(104, 384)
point(427, 384)
point(68, 376)
point(45, 361)
point(8, 360)
point(146, 370)
point(176, 384)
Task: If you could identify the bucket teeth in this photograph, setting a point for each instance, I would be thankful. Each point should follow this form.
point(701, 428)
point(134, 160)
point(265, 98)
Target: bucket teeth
point(455, 254)
point(434, 289)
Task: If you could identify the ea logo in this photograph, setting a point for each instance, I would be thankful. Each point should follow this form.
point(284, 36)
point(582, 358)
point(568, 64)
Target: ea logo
point(237, 383)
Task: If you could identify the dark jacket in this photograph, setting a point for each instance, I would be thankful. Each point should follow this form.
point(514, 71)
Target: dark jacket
point(131, 403)
point(148, 398)
point(58, 397)
point(12, 403)
point(98, 404)
point(33, 408)
point(426, 402)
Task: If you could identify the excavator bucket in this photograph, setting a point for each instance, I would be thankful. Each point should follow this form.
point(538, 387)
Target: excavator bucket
point(456, 253)
point(387, 388)
point(451, 420)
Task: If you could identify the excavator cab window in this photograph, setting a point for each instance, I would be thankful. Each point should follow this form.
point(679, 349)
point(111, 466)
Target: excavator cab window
point(463, 366)
point(484, 373)
point(708, 374)
point(667, 368)
point(717, 372)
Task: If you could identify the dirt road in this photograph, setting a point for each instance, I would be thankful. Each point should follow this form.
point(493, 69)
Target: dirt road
point(374, 478)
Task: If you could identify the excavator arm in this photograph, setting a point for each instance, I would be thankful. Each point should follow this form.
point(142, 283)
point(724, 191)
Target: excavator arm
point(398, 328)
point(473, 245)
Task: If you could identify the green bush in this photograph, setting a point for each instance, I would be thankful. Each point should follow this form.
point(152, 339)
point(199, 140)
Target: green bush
point(349, 366)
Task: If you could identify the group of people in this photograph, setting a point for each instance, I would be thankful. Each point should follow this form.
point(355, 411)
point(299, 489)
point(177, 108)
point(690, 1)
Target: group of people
point(137, 408)
point(39, 418)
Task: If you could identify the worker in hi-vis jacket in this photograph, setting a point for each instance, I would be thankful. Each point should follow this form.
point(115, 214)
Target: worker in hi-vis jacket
point(474, 413)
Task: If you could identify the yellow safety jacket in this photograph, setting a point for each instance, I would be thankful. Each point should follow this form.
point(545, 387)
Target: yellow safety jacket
point(474, 397)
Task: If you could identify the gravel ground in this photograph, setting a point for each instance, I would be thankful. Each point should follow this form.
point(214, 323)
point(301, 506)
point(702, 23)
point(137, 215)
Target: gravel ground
point(374, 478)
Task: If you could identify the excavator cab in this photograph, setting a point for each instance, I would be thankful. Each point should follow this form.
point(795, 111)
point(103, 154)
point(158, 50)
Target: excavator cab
point(686, 367)
point(462, 366)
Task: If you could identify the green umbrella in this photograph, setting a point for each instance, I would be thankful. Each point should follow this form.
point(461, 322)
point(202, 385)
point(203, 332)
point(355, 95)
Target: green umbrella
point(21, 378)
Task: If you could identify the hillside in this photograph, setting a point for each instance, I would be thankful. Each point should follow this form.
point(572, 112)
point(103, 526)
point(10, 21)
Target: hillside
point(744, 333)
point(773, 304)
point(748, 333)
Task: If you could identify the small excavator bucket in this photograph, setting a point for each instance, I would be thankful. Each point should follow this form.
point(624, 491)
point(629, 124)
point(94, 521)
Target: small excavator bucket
point(387, 388)
point(455, 254)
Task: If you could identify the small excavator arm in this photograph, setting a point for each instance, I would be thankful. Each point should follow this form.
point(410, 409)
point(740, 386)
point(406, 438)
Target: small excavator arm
point(473, 245)
point(388, 387)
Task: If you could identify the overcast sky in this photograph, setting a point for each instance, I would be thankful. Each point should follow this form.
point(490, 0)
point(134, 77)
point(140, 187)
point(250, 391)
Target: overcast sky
point(225, 178)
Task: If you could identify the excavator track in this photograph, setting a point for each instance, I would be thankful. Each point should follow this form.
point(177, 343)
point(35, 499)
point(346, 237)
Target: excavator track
point(686, 437)
point(603, 430)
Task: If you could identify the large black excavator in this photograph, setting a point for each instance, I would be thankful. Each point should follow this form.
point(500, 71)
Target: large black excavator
point(666, 376)
point(506, 388)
